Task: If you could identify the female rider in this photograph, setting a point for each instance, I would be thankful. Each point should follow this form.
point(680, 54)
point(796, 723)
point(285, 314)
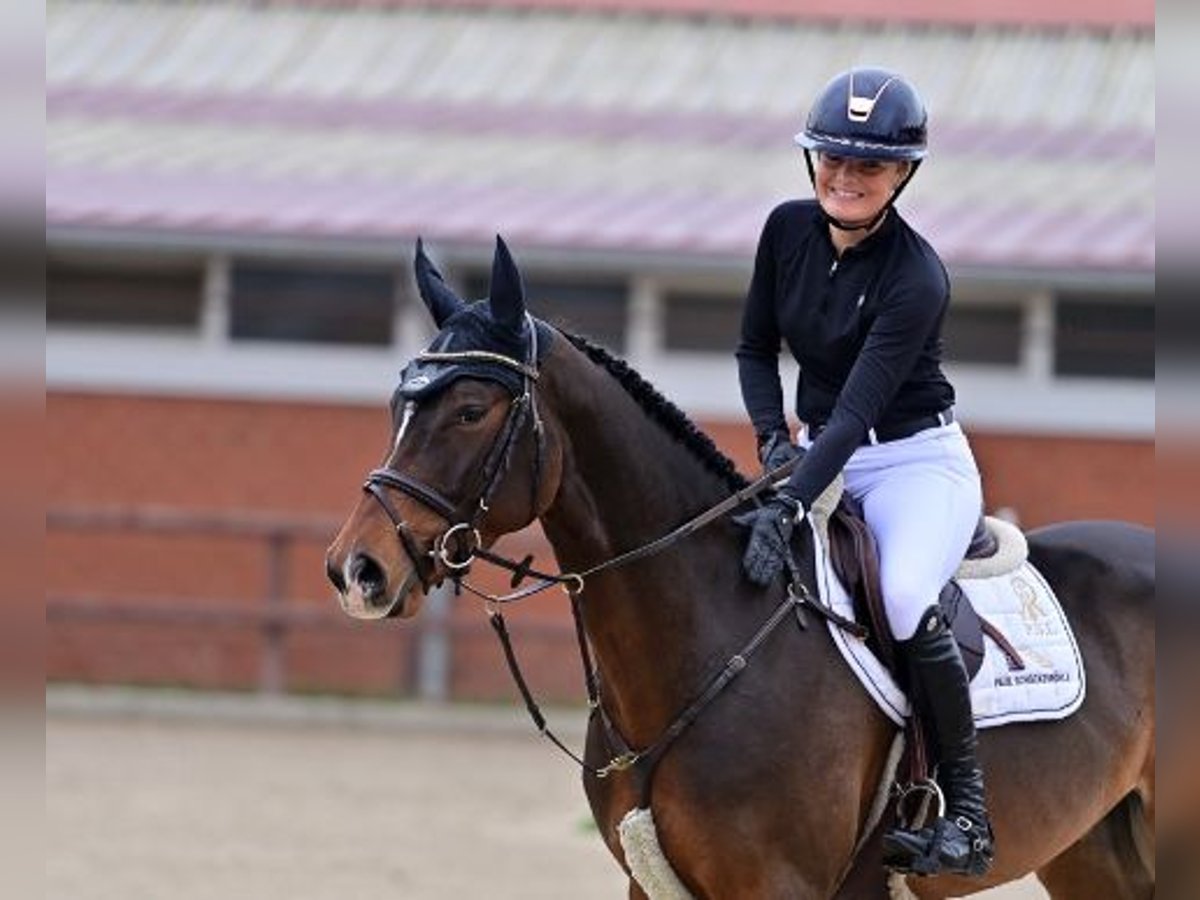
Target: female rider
point(858, 296)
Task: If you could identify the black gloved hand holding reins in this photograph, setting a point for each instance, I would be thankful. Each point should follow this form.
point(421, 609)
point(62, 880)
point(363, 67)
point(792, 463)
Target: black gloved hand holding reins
point(771, 527)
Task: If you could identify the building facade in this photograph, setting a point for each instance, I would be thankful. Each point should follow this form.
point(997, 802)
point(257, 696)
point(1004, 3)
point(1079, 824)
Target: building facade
point(233, 196)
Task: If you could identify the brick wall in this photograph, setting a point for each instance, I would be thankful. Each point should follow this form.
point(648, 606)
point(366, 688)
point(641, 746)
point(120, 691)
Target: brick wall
point(308, 460)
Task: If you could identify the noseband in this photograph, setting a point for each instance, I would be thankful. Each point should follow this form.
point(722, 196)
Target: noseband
point(464, 517)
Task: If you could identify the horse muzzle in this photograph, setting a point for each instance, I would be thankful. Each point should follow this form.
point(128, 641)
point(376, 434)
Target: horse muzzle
point(364, 589)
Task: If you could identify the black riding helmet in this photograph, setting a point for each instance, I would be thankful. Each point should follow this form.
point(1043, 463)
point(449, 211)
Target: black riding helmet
point(867, 113)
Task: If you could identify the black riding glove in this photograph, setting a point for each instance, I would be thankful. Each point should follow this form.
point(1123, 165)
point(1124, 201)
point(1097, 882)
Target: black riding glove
point(771, 527)
point(775, 449)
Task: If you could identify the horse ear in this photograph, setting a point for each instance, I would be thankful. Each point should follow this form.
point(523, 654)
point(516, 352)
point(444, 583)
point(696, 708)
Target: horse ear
point(507, 293)
point(442, 302)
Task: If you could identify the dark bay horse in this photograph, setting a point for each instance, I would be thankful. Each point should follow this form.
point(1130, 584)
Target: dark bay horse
point(506, 420)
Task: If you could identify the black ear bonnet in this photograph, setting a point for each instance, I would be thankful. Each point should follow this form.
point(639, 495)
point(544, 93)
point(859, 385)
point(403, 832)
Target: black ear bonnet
point(493, 339)
point(472, 329)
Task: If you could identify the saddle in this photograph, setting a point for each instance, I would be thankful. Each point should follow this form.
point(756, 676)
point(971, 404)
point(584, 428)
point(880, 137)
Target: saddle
point(855, 560)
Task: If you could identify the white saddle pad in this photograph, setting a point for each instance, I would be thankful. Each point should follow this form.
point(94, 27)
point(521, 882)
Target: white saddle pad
point(1023, 607)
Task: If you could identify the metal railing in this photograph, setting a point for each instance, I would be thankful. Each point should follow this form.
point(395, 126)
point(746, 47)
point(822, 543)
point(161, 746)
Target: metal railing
point(273, 617)
point(277, 613)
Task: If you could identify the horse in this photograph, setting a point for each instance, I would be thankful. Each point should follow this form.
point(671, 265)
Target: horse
point(767, 791)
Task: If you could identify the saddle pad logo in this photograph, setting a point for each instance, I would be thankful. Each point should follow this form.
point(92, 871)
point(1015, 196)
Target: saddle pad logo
point(1041, 638)
point(1034, 618)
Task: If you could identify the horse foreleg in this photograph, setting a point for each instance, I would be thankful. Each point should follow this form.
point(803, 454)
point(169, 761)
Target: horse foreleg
point(636, 892)
point(1106, 862)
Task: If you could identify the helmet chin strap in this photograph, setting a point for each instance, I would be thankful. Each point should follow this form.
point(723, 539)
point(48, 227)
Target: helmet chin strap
point(878, 217)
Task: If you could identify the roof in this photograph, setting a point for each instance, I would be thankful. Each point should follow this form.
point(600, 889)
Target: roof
point(1062, 13)
point(579, 131)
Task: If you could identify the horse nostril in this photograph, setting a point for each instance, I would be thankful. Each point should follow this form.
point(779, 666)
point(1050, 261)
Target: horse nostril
point(335, 575)
point(368, 575)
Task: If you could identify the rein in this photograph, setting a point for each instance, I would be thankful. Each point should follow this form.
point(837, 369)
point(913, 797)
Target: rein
point(576, 581)
point(464, 520)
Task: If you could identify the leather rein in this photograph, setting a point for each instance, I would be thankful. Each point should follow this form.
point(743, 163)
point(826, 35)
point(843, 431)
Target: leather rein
point(463, 531)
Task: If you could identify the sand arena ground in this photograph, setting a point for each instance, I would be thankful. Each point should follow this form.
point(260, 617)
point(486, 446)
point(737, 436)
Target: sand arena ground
point(153, 796)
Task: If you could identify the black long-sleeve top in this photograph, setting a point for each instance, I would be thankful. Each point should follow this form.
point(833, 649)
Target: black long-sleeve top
point(865, 329)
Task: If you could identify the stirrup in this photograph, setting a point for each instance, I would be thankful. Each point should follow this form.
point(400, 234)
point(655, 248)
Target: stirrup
point(914, 819)
point(923, 853)
point(944, 845)
point(918, 806)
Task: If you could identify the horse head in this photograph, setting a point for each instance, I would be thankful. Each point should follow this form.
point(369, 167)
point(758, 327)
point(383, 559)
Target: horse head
point(470, 457)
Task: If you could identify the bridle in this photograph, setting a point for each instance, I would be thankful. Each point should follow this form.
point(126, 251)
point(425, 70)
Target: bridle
point(464, 519)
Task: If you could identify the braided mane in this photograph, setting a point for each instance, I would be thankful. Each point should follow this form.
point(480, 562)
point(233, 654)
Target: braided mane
point(662, 411)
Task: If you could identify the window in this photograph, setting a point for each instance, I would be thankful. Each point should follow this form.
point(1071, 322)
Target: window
point(704, 323)
point(595, 309)
point(160, 296)
point(984, 334)
point(309, 304)
point(1177, 312)
point(1103, 337)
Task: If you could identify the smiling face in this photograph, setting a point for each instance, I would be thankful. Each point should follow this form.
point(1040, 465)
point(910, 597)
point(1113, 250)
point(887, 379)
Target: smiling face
point(854, 190)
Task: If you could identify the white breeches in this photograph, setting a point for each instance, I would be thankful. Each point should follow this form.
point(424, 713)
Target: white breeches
point(921, 497)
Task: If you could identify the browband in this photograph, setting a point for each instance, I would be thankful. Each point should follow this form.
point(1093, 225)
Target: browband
point(479, 356)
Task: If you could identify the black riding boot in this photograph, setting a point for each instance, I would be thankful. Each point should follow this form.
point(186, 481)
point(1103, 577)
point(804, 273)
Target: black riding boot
point(961, 841)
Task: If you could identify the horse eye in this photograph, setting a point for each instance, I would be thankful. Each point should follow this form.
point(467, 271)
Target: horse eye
point(469, 415)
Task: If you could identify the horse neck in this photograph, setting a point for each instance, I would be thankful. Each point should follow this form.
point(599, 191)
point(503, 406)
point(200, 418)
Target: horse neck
point(654, 624)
